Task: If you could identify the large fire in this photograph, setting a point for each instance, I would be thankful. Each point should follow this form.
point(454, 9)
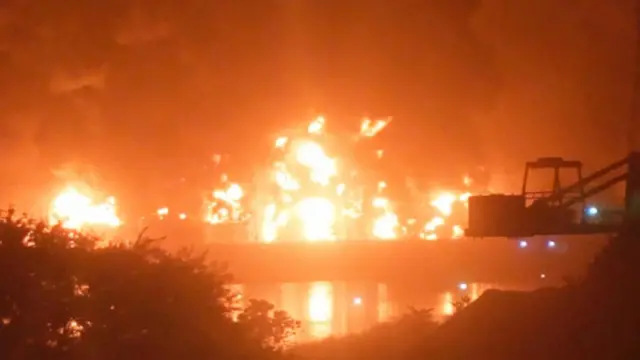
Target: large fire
point(78, 211)
point(312, 195)
point(310, 191)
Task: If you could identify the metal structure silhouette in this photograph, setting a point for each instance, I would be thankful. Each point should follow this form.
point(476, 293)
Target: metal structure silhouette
point(554, 212)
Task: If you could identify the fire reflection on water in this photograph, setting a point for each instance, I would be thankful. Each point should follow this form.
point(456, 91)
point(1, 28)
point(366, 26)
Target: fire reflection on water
point(320, 309)
point(448, 299)
point(337, 308)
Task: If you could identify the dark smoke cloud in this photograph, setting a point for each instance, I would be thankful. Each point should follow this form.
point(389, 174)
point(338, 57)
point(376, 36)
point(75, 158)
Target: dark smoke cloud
point(567, 75)
point(417, 61)
point(147, 90)
point(67, 82)
point(140, 88)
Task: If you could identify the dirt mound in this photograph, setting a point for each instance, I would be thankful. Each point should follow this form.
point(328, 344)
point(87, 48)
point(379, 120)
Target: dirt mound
point(505, 324)
point(596, 318)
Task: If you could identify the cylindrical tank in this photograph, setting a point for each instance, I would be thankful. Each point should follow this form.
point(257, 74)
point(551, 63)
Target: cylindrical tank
point(496, 215)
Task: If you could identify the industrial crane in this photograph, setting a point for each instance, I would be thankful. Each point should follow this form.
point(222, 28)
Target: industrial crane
point(553, 212)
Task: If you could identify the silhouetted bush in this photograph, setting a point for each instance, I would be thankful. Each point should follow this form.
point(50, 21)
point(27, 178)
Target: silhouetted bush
point(61, 298)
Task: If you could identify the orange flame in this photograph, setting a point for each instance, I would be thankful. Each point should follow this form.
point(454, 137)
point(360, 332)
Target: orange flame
point(314, 197)
point(75, 210)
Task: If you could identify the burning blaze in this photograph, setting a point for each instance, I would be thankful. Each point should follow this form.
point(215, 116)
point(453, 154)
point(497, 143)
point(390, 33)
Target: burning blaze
point(385, 225)
point(311, 191)
point(316, 195)
point(317, 216)
point(312, 194)
point(226, 205)
point(443, 203)
point(77, 211)
point(307, 189)
point(370, 128)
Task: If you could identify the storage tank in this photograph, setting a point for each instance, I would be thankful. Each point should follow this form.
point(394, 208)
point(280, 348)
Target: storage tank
point(496, 216)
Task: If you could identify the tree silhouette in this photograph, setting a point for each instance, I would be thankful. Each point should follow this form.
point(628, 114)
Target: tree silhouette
point(274, 328)
point(461, 303)
point(61, 297)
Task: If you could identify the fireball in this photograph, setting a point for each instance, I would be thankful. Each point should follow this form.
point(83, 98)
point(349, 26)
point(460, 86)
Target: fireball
point(76, 210)
point(311, 194)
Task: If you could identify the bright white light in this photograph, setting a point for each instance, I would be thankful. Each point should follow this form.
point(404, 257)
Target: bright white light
point(463, 286)
point(592, 211)
point(551, 244)
point(357, 301)
point(542, 276)
point(523, 244)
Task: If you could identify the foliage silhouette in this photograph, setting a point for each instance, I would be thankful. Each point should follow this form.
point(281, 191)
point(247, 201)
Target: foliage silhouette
point(461, 303)
point(62, 297)
point(273, 328)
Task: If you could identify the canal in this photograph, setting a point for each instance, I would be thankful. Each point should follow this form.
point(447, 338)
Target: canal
point(327, 309)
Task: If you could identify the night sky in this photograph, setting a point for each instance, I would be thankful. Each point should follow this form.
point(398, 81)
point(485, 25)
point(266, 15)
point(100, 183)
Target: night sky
point(135, 92)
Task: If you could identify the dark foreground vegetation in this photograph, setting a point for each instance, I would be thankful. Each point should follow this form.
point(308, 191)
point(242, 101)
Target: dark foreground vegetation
point(63, 298)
